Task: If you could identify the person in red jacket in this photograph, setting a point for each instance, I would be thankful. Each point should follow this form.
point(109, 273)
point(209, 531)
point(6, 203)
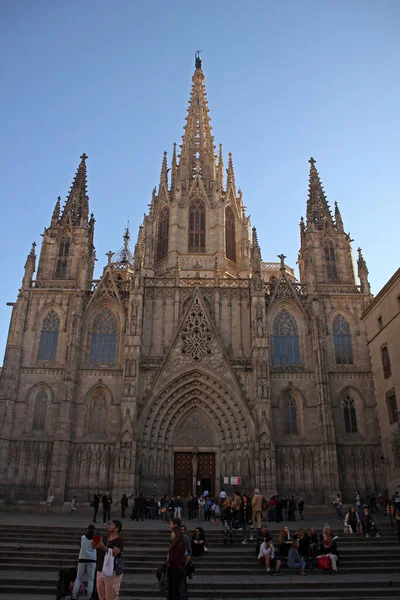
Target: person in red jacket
point(176, 564)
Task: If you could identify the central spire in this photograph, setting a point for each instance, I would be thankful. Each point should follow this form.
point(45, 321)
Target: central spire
point(197, 150)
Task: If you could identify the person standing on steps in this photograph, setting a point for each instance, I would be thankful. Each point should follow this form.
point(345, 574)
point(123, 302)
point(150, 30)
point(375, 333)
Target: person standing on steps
point(107, 501)
point(49, 502)
point(86, 564)
point(124, 505)
point(338, 504)
point(256, 505)
point(108, 587)
point(300, 506)
point(246, 518)
point(95, 505)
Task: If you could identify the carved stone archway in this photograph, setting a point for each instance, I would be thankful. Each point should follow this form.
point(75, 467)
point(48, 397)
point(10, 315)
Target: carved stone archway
point(196, 411)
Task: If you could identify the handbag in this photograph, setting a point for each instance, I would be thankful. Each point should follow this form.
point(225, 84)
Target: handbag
point(108, 564)
point(324, 563)
point(163, 582)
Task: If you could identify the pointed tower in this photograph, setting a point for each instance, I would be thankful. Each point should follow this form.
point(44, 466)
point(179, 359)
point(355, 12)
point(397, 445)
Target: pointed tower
point(67, 251)
point(197, 149)
point(363, 273)
point(325, 255)
point(198, 218)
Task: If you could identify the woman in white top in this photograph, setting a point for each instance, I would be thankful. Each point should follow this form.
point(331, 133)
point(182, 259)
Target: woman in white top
point(86, 563)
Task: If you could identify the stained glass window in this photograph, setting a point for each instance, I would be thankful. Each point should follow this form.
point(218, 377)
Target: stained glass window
point(330, 260)
point(342, 341)
point(98, 413)
point(104, 338)
point(286, 339)
point(230, 241)
point(197, 226)
point(290, 415)
point(163, 227)
point(49, 336)
point(39, 411)
point(63, 251)
point(349, 413)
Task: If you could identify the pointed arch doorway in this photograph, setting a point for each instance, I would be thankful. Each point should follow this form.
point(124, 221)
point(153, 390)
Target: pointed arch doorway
point(194, 456)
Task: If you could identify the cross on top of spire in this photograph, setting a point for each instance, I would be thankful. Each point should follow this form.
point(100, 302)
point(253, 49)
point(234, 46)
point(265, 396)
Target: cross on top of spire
point(197, 59)
point(83, 157)
point(312, 162)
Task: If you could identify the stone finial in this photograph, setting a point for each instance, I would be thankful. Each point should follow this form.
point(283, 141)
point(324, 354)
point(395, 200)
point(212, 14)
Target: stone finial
point(282, 259)
point(109, 255)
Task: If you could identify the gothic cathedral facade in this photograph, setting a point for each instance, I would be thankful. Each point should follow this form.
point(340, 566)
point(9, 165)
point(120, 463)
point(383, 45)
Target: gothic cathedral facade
point(190, 361)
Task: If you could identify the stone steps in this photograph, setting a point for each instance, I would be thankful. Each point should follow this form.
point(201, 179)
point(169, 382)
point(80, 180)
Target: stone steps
point(368, 569)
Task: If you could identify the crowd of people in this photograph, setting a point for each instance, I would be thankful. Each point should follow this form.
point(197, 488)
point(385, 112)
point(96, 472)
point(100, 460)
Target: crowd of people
point(300, 549)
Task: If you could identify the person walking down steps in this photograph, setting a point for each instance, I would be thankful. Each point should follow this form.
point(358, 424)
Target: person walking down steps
point(86, 564)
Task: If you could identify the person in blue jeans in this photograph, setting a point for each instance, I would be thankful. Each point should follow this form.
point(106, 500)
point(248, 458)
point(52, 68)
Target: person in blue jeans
point(295, 561)
point(86, 563)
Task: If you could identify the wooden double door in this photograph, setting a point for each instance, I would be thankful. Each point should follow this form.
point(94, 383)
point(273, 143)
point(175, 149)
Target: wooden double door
point(194, 474)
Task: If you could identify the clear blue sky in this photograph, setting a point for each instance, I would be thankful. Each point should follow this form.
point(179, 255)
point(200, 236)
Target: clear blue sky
point(285, 80)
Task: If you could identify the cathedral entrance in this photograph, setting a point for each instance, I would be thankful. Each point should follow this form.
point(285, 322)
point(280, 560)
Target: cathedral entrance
point(194, 472)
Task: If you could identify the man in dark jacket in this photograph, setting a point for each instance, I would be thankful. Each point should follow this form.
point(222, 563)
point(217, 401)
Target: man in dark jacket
point(368, 524)
point(124, 505)
point(107, 501)
point(263, 535)
point(95, 505)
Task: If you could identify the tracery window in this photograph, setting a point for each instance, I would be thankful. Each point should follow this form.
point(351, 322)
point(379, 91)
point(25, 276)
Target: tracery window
point(62, 262)
point(98, 412)
point(230, 241)
point(49, 336)
point(342, 341)
point(350, 416)
point(387, 367)
point(163, 228)
point(290, 415)
point(104, 338)
point(330, 261)
point(286, 339)
point(197, 226)
point(39, 411)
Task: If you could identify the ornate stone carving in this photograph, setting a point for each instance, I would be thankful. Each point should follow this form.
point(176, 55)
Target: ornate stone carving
point(196, 334)
point(194, 431)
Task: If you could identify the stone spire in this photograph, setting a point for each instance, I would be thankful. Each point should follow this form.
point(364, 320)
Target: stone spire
point(56, 212)
point(318, 211)
point(30, 267)
point(230, 175)
point(124, 255)
point(338, 218)
point(363, 273)
point(197, 149)
point(164, 170)
point(255, 255)
point(173, 168)
point(221, 167)
point(77, 205)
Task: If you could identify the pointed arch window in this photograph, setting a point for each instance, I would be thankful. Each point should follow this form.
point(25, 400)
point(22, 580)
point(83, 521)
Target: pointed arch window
point(104, 338)
point(98, 412)
point(163, 229)
point(330, 261)
point(350, 416)
point(230, 238)
point(286, 339)
point(49, 336)
point(197, 226)
point(39, 411)
point(342, 341)
point(290, 415)
point(62, 261)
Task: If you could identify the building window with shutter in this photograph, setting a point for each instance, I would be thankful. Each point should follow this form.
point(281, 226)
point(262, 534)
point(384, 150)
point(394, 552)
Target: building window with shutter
point(385, 356)
point(391, 404)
